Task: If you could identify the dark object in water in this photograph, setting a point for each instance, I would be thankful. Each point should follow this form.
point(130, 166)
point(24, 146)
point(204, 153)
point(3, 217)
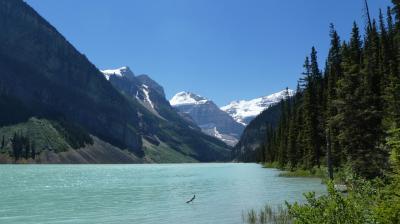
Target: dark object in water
point(194, 196)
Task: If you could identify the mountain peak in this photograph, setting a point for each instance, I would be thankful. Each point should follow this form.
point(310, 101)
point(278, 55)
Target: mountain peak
point(121, 72)
point(208, 116)
point(146, 80)
point(243, 111)
point(280, 95)
point(187, 98)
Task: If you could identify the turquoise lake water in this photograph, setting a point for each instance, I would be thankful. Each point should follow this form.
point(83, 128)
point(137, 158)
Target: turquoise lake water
point(143, 194)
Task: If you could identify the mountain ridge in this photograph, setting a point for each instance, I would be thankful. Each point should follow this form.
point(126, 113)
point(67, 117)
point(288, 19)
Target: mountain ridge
point(243, 111)
point(151, 95)
point(208, 116)
point(44, 76)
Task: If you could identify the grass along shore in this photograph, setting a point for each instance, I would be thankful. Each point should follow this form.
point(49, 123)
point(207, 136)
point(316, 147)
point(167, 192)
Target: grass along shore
point(316, 172)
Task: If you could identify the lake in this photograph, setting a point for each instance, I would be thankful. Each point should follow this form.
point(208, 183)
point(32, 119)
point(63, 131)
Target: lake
point(142, 193)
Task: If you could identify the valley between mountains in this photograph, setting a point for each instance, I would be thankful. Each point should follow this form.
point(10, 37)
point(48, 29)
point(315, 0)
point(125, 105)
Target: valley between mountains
point(58, 107)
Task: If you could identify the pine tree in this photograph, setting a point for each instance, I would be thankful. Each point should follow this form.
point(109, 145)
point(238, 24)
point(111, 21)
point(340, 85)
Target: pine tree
point(312, 110)
point(27, 146)
point(282, 139)
point(371, 105)
point(3, 144)
point(349, 98)
point(392, 89)
point(333, 74)
point(16, 146)
point(359, 105)
point(396, 10)
point(33, 150)
point(293, 132)
point(306, 83)
point(350, 109)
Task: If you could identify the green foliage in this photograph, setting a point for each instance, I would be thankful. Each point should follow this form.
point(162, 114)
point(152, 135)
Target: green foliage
point(333, 208)
point(387, 209)
point(367, 201)
point(394, 146)
point(40, 132)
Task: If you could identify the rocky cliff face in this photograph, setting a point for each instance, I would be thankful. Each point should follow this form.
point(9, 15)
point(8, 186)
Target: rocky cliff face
point(147, 92)
point(208, 117)
point(43, 75)
point(151, 95)
point(51, 78)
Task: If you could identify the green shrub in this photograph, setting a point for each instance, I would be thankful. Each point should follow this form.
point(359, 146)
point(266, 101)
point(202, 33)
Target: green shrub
point(333, 208)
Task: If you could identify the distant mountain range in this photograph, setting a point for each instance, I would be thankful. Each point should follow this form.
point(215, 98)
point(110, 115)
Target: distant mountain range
point(226, 123)
point(57, 107)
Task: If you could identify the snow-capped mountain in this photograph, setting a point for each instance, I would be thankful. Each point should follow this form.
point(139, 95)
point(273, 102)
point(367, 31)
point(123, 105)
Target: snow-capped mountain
point(139, 86)
point(120, 72)
point(244, 111)
point(171, 126)
point(212, 120)
point(187, 98)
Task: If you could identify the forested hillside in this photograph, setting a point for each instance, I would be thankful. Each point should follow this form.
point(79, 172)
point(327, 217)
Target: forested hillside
point(252, 141)
point(346, 112)
point(344, 122)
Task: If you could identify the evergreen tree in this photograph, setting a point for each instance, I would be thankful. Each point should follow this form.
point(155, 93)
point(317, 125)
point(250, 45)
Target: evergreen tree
point(371, 157)
point(16, 146)
point(333, 74)
point(356, 107)
point(396, 10)
point(344, 115)
point(282, 140)
point(312, 111)
point(27, 146)
point(292, 141)
point(33, 150)
point(2, 142)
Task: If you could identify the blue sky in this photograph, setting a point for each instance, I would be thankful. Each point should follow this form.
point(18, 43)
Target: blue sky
point(221, 49)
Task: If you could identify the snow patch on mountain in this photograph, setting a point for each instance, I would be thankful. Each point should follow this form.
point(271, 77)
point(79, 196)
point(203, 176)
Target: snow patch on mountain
point(244, 111)
point(208, 116)
point(121, 72)
point(213, 131)
point(187, 98)
point(141, 84)
point(147, 99)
